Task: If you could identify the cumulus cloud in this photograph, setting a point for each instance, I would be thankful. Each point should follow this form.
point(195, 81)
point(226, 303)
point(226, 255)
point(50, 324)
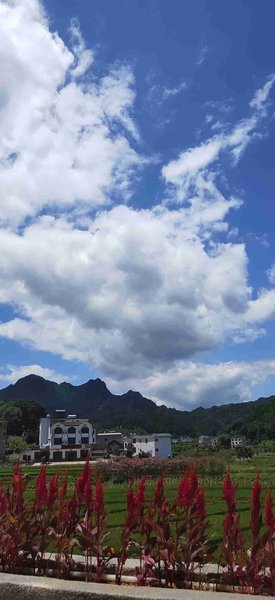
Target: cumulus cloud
point(263, 307)
point(64, 140)
point(11, 373)
point(195, 384)
point(137, 288)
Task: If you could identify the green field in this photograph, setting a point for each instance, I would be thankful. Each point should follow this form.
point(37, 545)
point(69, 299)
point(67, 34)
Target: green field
point(243, 475)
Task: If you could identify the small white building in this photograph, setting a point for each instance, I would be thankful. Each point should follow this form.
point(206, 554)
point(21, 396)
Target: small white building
point(156, 444)
point(238, 440)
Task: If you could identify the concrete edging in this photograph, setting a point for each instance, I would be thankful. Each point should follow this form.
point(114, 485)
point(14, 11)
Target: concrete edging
point(26, 587)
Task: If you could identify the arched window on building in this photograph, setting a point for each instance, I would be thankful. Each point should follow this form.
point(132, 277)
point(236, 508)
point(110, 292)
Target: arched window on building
point(85, 435)
point(71, 435)
point(58, 431)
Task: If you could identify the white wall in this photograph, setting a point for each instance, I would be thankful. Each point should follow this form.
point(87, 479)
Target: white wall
point(142, 446)
point(46, 432)
point(156, 445)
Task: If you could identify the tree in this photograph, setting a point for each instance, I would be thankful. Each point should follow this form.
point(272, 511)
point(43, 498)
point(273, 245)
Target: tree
point(224, 441)
point(13, 415)
point(22, 416)
point(16, 444)
point(243, 452)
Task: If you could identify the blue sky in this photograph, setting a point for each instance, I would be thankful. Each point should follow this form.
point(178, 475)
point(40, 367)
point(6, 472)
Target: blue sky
point(137, 196)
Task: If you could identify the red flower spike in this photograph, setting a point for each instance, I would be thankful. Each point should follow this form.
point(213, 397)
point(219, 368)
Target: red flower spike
point(187, 489)
point(72, 506)
point(229, 493)
point(3, 501)
point(53, 491)
point(98, 502)
point(159, 493)
point(41, 489)
point(141, 493)
point(87, 468)
point(88, 495)
point(79, 487)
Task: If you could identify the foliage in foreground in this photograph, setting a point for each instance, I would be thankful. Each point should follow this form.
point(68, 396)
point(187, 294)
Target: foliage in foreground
point(172, 539)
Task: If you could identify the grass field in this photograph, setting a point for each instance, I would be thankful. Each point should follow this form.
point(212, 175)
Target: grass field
point(243, 475)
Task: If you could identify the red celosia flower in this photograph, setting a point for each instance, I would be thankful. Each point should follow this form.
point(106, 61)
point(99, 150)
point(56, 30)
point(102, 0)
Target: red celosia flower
point(139, 496)
point(255, 515)
point(187, 489)
point(88, 490)
point(135, 501)
point(229, 493)
point(84, 480)
point(269, 516)
point(41, 489)
point(232, 537)
point(134, 504)
point(98, 501)
point(130, 495)
point(159, 492)
point(53, 491)
point(79, 487)
point(3, 501)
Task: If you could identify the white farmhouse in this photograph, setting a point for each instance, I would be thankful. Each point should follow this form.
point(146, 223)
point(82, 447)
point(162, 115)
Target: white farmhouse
point(65, 438)
point(156, 444)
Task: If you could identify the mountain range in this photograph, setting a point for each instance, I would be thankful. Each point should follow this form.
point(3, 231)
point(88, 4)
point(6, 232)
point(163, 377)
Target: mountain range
point(132, 411)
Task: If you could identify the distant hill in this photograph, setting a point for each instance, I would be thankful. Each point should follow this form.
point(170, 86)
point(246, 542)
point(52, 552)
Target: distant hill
point(132, 411)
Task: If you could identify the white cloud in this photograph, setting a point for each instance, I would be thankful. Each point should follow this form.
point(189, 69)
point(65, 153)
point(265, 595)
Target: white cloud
point(183, 172)
point(261, 95)
point(84, 57)
point(63, 143)
point(263, 308)
point(195, 384)
point(202, 56)
point(11, 373)
point(170, 92)
point(271, 274)
point(157, 95)
point(138, 288)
